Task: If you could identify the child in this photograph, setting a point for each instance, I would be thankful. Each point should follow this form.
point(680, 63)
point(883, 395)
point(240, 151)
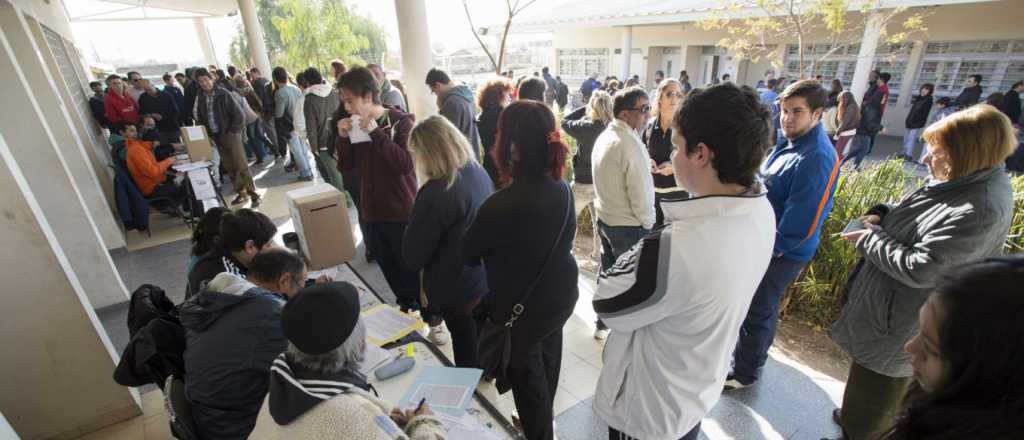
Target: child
point(920, 106)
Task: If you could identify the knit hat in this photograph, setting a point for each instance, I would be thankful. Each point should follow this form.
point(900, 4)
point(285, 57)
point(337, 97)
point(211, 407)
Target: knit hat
point(321, 317)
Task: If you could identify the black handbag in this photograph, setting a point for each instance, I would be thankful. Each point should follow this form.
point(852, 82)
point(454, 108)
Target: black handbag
point(495, 340)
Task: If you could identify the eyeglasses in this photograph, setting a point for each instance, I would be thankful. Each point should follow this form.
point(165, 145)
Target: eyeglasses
point(645, 109)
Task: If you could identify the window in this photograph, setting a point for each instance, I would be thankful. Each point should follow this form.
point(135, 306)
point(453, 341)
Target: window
point(947, 64)
point(580, 63)
point(841, 63)
point(1014, 73)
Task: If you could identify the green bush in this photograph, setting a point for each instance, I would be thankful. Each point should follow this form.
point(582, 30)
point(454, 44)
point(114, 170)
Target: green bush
point(814, 297)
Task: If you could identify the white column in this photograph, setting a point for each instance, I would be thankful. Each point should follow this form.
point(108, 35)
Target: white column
point(209, 56)
point(417, 58)
point(254, 35)
point(866, 57)
point(627, 51)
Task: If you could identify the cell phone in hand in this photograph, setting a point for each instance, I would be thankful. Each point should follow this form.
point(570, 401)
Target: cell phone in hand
point(852, 226)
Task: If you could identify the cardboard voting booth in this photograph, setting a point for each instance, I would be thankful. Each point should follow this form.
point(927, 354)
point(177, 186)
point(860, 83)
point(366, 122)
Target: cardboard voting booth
point(197, 143)
point(320, 216)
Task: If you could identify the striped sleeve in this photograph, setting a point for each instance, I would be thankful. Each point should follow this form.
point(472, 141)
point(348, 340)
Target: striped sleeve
point(632, 293)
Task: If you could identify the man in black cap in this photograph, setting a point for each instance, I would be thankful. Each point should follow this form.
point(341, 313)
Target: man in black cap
point(232, 335)
point(316, 389)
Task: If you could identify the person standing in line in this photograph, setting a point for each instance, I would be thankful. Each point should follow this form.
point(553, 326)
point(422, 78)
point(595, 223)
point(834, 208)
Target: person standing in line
point(657, 137)
point(492, 98)
point(967, 382)
point(562, 95)
point(871, 111)
point(96, 106)
point(532, 88)
point(762, 83)
point(135, 89)
point(320, 103)
point(589, 86)
point(159, 104)
point(846, 120)
point(176, 90)
point(832, 108)
point(920, 106)
point(455, 102)
point(517, 230)
point(263, 89)
point(118, 106)
point(254, 137)
point(456, 186)
point(623, 184)
point(224, 121)
point(387, 177)
point(286, 100)
point(667, 356)
point(338, 68)
point(971, 94)
point(552, 87)
point(188, 113)
point(659, 76)
point(389, 95)
point(1011, 102)
point(801, 174)
point(249, 117)
point(962, 213)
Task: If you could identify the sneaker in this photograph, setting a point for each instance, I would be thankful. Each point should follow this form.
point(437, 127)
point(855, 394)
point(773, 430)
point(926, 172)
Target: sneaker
point(239, 200)
point(255, 202)
point(731, 384)
point(438, 335)
point(304, 179)
point(601, 333)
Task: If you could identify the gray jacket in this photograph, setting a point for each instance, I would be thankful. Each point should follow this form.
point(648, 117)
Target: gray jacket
point(389, 95)
point(939, 225)
point(458, 107)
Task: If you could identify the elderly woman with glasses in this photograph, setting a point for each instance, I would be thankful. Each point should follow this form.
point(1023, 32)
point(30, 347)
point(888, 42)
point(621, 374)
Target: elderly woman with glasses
point(657, 137)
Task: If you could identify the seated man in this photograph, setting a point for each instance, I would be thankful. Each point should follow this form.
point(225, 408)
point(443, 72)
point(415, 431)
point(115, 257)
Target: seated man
point(243, 234)
point(148, 174)
point(232, 335)
point(316, 390)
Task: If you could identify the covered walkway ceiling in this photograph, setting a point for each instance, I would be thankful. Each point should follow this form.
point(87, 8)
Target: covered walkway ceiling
point(133, 10)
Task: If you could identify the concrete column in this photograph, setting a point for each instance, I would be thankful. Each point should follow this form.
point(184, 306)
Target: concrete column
point(417, 58)
point(254, 35)
point(43, 142)
point(209, 55)
point(866, 56)
point(627, 51)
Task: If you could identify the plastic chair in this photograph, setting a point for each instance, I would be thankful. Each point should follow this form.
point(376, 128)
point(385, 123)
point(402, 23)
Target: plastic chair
point(179, 410)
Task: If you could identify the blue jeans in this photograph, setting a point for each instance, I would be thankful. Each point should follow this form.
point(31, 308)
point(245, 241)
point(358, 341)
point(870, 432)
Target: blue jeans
point(299, 156)
point(910, 141)
point(616, 240)
point(862, 144)
point(758, 330)
point(254, 144)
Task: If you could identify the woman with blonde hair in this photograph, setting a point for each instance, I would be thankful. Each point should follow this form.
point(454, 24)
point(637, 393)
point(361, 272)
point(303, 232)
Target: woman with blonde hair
point(657, 137)
point(585, 124)
point(962, 213)
point(454, 187)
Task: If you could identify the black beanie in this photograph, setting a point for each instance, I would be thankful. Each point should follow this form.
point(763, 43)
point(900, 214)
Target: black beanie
point(321, 317)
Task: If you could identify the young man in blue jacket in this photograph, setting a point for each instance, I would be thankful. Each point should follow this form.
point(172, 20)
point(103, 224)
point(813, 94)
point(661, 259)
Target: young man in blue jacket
point(801, 175)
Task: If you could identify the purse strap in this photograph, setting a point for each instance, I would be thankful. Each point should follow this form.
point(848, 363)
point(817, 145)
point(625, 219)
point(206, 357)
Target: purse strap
point(518, 309)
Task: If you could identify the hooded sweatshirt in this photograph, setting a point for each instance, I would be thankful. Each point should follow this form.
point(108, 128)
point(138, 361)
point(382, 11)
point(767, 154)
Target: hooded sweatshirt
point(232, 335)
point(389, 95)
point(321, 101)
point(303, 404)
point(459, 108)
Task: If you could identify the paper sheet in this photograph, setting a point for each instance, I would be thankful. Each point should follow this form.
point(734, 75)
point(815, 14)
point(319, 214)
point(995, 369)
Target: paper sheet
point(386, 324)
point(202, 186)
point(356, 134)
point(373, 358)
point(447, 390)
point(466, 428)
point(195, 133)
point(189, 166)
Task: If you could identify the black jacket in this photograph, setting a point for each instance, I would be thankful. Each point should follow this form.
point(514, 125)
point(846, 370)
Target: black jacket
point(162, 104)
point(226, 113)
point(968, 97)
point(585, 132)
point(659, 147)
point(232, 335)
point(871, 112)
point(209, 265)
point(262, 87)
point(188, 116)
point(487, 124)
point(179, 100)
point(512, 234)
point(920, 106)
point(157, 344)
point(99, 113)
point(433, 237)
point(1011, 106)
point(562, 95)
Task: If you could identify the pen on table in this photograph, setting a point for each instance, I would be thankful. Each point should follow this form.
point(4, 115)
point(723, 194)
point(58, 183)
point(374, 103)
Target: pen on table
point(420, 406)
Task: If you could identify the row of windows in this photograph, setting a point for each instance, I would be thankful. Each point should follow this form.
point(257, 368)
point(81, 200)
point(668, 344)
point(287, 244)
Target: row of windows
point(580, 63)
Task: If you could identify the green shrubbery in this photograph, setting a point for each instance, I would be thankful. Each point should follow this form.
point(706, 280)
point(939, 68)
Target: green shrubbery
point(814, 297)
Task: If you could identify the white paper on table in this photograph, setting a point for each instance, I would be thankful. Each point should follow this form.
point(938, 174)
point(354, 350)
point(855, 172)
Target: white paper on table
point(356, 134)
point(202, 186)
point(331, 272)
point(195, 133)
point(186, 167)
point(385, 324)
point(209, 204)
point(373, 358)
point(447, 390)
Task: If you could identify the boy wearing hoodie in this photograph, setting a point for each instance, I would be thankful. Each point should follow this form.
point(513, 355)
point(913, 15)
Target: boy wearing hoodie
point(320, 103)
point(456, 103)
point(232, 335)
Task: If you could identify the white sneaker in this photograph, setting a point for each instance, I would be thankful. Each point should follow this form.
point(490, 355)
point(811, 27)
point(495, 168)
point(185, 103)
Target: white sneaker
point(733, 385)
point(438, 335)
point(601, 334)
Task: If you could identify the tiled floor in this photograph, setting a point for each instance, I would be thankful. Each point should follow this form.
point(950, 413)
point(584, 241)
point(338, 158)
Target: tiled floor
point(792, 401)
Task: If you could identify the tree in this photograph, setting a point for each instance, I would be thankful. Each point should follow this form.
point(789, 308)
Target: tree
point(752, 27)
point(512, 8)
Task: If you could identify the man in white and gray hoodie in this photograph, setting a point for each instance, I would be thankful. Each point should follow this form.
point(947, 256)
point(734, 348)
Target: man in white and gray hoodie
point(623, 186)
point(455, 103)
point(286, 101)
point(319, 102)
point(675, 302)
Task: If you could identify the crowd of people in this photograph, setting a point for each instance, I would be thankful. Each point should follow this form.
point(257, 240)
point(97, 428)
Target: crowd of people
point(708, 203)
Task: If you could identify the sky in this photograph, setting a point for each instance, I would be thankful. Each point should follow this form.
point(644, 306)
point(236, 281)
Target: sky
point(176, 41)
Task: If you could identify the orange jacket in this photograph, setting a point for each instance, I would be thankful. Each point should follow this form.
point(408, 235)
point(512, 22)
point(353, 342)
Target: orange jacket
point(142, 165)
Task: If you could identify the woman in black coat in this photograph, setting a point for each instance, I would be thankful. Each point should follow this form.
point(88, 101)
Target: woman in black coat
point(917, 118)
point(492, 98)
point(445, 206)
point(513, 234)
point(585, 125)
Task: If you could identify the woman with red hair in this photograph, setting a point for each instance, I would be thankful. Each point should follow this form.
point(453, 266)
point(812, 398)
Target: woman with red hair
point(524, 233)
point(492, 97)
